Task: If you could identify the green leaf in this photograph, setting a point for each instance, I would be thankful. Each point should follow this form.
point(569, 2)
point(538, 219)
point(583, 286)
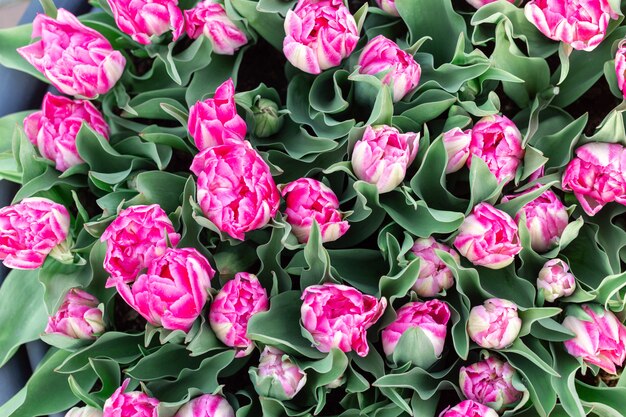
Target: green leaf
point(269, 25)
point(121, 347)
point(10, 40)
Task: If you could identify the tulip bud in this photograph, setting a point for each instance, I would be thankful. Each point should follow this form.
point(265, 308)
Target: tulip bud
point(468, 408)
point(431, 318)
point(145, 19)
point(78, 317)
point(130, 404)
point(600, 337)
point(495, 324)
point(207, 405)
point(492, 383)
point(389, 6)
point(434, 275)
point(277, 376)
point(456, 142)
point(86, 411)
point(555, 281)
point(267, 120)
point(209, 18)
point(382, 156)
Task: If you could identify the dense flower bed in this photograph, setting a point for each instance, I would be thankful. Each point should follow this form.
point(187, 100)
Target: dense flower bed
point(319, 208)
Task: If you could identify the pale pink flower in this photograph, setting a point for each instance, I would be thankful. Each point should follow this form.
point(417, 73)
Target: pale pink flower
point(495, 324)
point(457, 142)
point(86, 411)
point(480, 3)
point(389, 6)
point(277, 376)
point(207, 405)
point(434, 275)
point(209, 18)
point(490, 382)
point(468, 408)
point(78, 317)
point(145, 19)
point(555, 280)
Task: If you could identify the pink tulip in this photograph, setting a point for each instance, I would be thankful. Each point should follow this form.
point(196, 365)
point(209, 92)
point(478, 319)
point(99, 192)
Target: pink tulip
point(495, 324)
point(434, 275)
point(134, 240)
point(480, 3)
point(389, 6)
point(207, 405)
point(497, 141)
point(457, 142)
point(596, 175)
point(488, 237)
point(490, 382)
point(236, 190)
point(397, 68)
point(241, 298)
point(308, 200)
point(215, 121)
point(173, 291)
point(600, 338)
point(431, 317)
point(382, 156)
point(582, 24)
point(86, 411)
point(30, 230)
point(77, 60)
point(555, 281)
point(546, 219)
point(130, 404)
point(210, 19)
point(468, 408)
point(277, 376)
point(78, 317)
point(338, 316)
point(320, 34)
point(620, 67)
point(53, 130)
point(145, 19)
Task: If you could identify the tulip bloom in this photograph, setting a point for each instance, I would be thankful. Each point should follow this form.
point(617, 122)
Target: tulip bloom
point(173, 291)
point(231, 310)
point(382, 156)
point(130, 404)
point(488, 237)
point(596, 175)
point(215, 121)
point(207, 405)
point(31, 230)
point(600, 337)
point(434, 275)
point(581, 24)
point(555, 281)
point(277, 376)
point(469, 408)
point(457, 142)
point(495, 324)
point(308, 200)
point(77, 60)
point(78, 317)
point(338, 316)
point(138, 236)
point(497, 141)
point(320, 34)
point(210, 19)
point(491, 383)
point(86, 411)
point(397, 68)
point(145, 19)
point(53, 130)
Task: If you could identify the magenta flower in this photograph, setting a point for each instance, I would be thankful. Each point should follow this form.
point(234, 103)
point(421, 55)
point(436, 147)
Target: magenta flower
point(555, 280)
point(497, 141)
point(134, 240)
point(488, 237)
point(53, 129)
point(215, 121)
point(320, 34)
point(596, 175)
point(241, 298)
point(143, 19)
point(78, 317)
point(210, 19)
point(491, 383)
point(431, 317)
point(30, 230)
point(77, 60)
point(338, 316)
point(469, 408)
point(277, 376)
point(382, 156)
point(495, 324)
point(397, 68)
point(581, 24)
point(308, 200)
point(600, 337)
point(130, 404)
point(434, 275)
point(207, 405)
point(457, 143)
point(173, 291)
point(236, 190)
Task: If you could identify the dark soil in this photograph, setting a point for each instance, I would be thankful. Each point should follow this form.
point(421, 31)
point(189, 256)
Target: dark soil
point(594, 380)
point(262, 63)
point(598, 101)
point(125, 318)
